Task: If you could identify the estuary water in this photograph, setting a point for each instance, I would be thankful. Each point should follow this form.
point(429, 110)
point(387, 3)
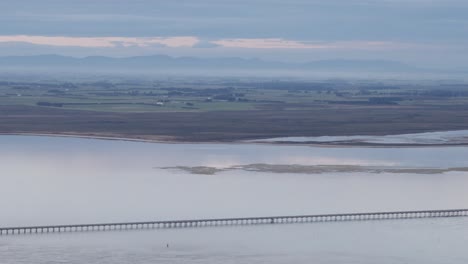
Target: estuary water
point(58, 180)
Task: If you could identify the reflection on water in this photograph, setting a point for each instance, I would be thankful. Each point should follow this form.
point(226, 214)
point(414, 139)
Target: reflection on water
point(49, 180)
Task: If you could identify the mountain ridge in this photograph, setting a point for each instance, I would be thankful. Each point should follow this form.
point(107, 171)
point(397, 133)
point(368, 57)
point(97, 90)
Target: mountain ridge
point(53, 61)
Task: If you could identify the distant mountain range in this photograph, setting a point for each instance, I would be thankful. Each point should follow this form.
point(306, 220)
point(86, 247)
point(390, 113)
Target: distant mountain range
point(163, 62)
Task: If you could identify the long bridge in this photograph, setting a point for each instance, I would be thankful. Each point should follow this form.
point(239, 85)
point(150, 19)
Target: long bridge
point(235, 221)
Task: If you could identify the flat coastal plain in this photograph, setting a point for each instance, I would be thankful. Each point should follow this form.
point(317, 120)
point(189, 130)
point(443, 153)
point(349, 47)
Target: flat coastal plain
point(228, 111)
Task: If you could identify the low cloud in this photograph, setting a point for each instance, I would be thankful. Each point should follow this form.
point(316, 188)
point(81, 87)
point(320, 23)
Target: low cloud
point(206, 45)
point(103, 42)
point(140, 44)
point(195, 42)
point(278, 43)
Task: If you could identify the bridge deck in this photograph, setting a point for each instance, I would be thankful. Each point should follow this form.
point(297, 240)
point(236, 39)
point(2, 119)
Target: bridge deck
point(235, 221)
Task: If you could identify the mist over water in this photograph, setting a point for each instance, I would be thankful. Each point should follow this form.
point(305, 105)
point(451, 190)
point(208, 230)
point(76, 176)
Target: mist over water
point(52, 180)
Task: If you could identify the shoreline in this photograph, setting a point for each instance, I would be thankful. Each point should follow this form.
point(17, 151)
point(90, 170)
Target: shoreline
point(172, 140)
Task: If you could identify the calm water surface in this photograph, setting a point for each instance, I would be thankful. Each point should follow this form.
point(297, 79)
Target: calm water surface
point(47, 180)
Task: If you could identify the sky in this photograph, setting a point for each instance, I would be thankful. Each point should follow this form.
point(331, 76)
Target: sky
point(419, 32)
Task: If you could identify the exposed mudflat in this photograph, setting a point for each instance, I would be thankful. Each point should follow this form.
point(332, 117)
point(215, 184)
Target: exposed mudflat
point(314, 169)
point(456, 137)
point(271, 121)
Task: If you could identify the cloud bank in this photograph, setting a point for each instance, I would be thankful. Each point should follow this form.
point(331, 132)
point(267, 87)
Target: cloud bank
point(191, 41)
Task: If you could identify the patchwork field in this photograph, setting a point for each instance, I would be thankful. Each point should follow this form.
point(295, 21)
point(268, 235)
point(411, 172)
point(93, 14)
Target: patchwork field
point(230, 109)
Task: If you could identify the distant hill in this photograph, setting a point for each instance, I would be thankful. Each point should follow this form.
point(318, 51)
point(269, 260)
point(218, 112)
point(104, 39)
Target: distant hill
point(163, 62)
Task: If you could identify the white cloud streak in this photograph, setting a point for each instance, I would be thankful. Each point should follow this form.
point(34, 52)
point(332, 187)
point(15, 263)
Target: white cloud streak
point(103, 42)
point(278, 43)
point(192, 42)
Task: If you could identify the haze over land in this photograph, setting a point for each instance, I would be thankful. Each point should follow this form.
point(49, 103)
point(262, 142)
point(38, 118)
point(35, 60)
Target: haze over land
point(226, 66)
